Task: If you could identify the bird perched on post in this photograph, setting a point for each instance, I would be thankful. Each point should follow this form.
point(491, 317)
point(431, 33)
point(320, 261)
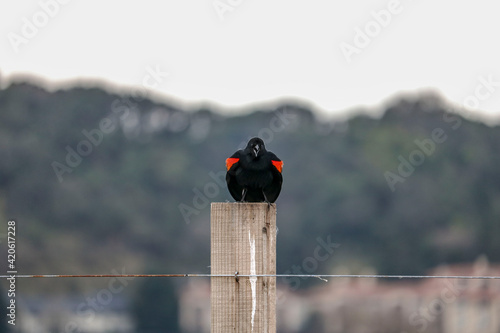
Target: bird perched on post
point(254, 174)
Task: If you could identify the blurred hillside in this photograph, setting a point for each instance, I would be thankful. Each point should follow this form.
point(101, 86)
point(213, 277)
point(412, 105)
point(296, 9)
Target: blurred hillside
point(98, 181)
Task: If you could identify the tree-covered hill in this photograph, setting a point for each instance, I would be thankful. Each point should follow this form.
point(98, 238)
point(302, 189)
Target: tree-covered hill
point(98, 181)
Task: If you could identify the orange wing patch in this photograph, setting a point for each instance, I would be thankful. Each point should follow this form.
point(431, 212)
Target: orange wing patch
point(230, 162)
point(278, 165)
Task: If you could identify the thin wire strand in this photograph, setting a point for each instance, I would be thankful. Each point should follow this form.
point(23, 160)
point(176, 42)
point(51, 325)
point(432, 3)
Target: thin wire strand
point(318, 276)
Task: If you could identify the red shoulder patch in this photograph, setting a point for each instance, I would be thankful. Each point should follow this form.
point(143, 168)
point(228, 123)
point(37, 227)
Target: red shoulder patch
point(278, 165)
point(230, 161)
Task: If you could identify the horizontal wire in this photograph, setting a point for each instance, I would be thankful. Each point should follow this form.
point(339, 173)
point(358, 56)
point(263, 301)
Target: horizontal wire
point(318, 276)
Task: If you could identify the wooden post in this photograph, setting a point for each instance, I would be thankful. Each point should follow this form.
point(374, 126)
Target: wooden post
point(243, 240)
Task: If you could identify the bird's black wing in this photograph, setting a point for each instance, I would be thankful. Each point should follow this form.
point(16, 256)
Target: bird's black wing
point(273, 190)
point(232, 165)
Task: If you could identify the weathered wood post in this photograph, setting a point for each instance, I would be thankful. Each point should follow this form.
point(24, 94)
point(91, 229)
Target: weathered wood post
point(243, 240)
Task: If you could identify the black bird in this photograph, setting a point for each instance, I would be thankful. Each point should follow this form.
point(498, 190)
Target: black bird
point(254, 174)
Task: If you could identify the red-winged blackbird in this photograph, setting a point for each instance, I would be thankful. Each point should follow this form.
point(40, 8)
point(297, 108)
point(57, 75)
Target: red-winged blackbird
point(254, 174)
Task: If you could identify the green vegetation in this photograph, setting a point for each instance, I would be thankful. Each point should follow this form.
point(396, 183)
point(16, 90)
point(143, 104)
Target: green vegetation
point(149, 169)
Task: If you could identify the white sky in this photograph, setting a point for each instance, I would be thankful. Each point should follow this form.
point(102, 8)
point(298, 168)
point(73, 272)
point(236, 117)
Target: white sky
point(262, 50)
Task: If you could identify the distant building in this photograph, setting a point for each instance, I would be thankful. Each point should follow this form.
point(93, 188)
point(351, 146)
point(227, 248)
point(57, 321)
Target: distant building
point(367, 306)
point(194, 306)
point(64, 315)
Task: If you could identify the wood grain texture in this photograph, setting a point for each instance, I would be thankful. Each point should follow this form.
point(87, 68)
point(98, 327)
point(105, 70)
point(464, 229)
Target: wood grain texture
point(243, 240)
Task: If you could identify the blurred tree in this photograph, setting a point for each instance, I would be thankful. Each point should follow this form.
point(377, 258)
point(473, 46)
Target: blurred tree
point(4, 327)
point(155, 306)
point(119, 199)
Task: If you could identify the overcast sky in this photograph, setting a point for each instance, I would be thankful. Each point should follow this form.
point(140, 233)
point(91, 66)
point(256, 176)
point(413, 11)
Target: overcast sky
point(335, 55)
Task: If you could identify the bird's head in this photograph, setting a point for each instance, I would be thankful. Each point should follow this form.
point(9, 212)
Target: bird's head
point(256, 147)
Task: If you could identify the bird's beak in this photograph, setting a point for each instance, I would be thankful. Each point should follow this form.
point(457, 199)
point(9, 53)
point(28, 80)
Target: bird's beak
point(256, 150)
